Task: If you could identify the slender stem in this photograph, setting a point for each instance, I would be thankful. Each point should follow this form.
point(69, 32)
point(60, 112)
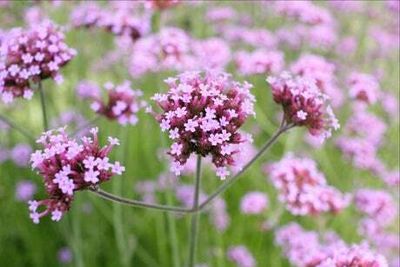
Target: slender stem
point(137, 203)
point(17, 128)
point(43, 104)
point(86, 125)
point(230, 181)
point(195, 217)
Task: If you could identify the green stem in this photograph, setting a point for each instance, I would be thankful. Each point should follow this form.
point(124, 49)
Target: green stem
point(43, 104)
point(195, 217)
point(137, 203)
point(17, 128)
point(230, 181)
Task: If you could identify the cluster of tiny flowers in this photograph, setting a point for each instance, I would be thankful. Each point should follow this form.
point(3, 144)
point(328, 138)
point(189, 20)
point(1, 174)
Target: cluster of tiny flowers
point(122, 105)
point(211, 53)
point(304, 11)
point(323, 72)
point(120, 21)
point(303, 188)
point(304, 104)
point(202, 113)
point(304, 248)
point(257, 38)
point(68, 166)
point(361, 142)
point(259, 61)
point(254, 203)
point(241, 256)
point(363, 87)
point(31, 56)
point(377, 204)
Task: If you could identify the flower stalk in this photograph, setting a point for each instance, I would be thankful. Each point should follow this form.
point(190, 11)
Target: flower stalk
point(43, 105)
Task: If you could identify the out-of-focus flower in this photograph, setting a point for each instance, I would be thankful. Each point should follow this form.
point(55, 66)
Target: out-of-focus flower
point(212, 53)
point(377, 204)
point(254, 203)
point(20, 154)
point(30, 56)
point(68, 166)
point(25, 190)
point(74, 120)
point(123, 103)
point(304, 104)
point(346, 46)
point(259, 62)
point(364, 87)
point(241, 256)
point(220, 14)
point(87, 90)
point(322, 37)
point(347, 6)
point(117, 19)
point(65, 255)
point(162, 4)
point(390, 104)
point(392, 178)
point(303, 188)
point(202, 113)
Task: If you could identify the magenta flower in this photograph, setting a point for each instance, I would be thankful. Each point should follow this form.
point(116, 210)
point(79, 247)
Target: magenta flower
point(162, 4)
point(303, 189)
point(254, 203)
point(123, 103)
point(31, 56)
point(203, 113)
point(304, 104)
point(241, 256)
point(68, 166)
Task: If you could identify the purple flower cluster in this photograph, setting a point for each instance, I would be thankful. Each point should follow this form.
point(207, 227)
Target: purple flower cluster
point(323, 72)
point(254, 203)
point(259, 61)
point(303, 188)
point(304, 104)
point(118, 20)
point(202, 113)
point(31, 56)
point(304, 248)
point(241, 256)
point(364, 88)
point(68, 166)
point(122, 105)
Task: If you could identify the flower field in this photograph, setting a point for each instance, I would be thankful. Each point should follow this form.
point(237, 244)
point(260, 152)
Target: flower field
point(199, 133)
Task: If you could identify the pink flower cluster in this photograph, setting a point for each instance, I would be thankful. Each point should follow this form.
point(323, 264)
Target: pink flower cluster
point(364, 88)
point(31, 56)
point(68, 166)
point(122, 105)
point(378, 205)
point(254, 37)
point(304, 104)
point(202, 113)
point(173, 49)
point(162, 4)
point(361, 142)
point(303, 188)
point(304, 248)
point(259, 61)
point(118, 20)
point(323, 72)
point(241, 256)
point(254, 203)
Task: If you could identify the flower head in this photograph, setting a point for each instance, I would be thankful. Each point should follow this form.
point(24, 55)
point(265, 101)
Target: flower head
point(303, 188)
point(254, 203)
point(31, 56)
point(304, 104)
point(123, 103)
point(67, 166)
point(241, 256)
point(203, 113)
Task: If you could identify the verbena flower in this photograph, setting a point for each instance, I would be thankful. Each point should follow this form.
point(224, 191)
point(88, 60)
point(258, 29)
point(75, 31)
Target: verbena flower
point(241, 256)
point(259, 61)
point(211, 53)
point(254, 203)
point(122, 105)
point(25, 190)
point(30, 56)
point(364, 87)
point(162, 4)
point(20, 154)
point(303, 189)
point(304, 104)
point(67, 166)
point(202, 112)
